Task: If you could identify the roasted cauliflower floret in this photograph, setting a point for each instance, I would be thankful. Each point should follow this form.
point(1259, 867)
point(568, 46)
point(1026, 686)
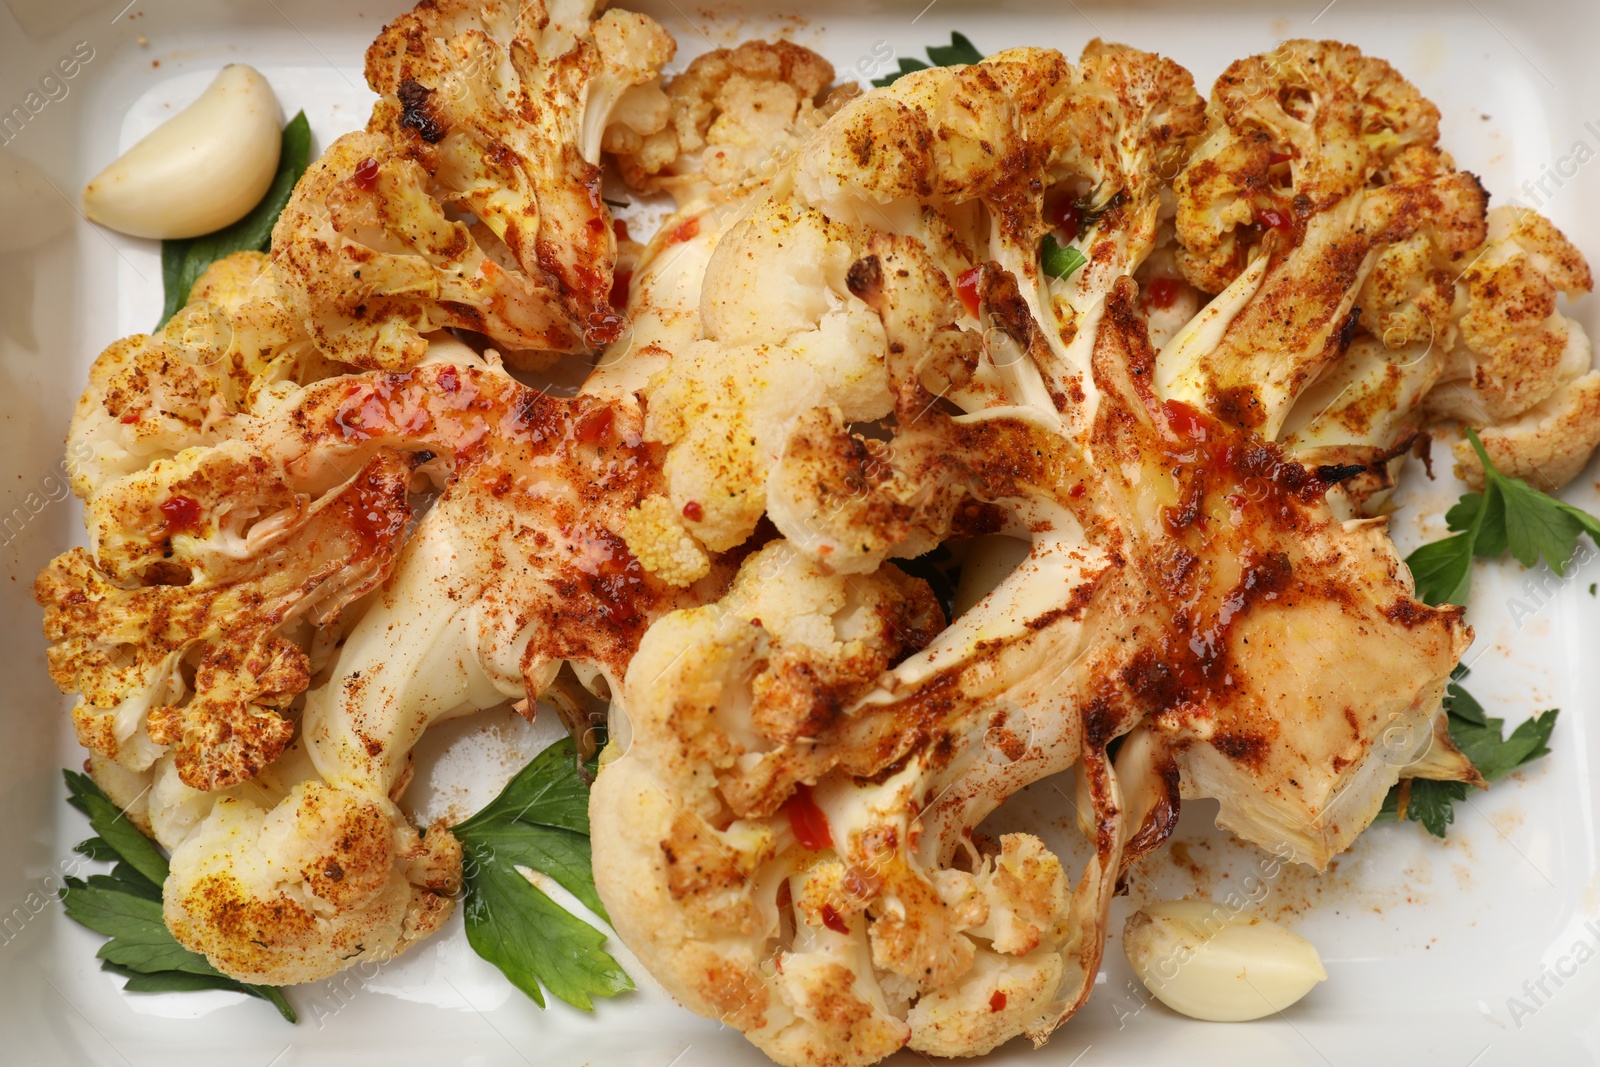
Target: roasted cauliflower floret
point(126, 650)
point(1118, 139)
point(825, 919)
point(1549, 444)
point(298, 892)
point(150, 396)
point(736, 117)
point(1354, 172)
point(781, 335)
point(786, 353)
point(1291, 133)
point(494, 111)
point(370, 262)
point(1514, 346)
point(1518, 370)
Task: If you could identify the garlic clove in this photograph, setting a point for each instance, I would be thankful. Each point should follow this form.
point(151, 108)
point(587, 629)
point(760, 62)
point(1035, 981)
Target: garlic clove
point(1208, 962)
point(199, 171)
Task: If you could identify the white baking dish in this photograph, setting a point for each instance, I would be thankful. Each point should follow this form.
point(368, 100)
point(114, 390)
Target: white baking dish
point(1476, 951)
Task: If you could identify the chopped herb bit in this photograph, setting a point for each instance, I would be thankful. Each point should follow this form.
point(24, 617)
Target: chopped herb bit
point(1509, 513)
point(1059, 261)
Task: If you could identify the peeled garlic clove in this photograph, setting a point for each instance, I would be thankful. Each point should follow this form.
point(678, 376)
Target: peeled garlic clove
point(199, 171)
point(1209, 962)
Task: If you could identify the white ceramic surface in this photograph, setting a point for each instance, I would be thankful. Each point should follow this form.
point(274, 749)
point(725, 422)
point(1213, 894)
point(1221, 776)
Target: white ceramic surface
point(1426, 944)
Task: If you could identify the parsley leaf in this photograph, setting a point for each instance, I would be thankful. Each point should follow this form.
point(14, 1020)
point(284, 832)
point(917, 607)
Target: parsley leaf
point(1508, 514)
point(116, 833)
point(125, 906)
point(1433, 803)
point(1443, 569)
point(1059, 261)
point(183, 261)
point(540, 821)
point(958, 52)
point(1480, 738)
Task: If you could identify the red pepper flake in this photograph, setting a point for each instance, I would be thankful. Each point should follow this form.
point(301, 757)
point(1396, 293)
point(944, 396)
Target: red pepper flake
point(449, 381)
point(595, 426)
point(687, 230)
point(1184, 421)
point(181, 513)
point(130, 418)
point(619, 287)
point(967, 288)
point(1063, 216)
point(998, 1001)
point(619, 230)
point(810, 826)
point(1076, 492)
point(755, 622)
point(693, 511)
point(366, 175)
point(1279, 157)
point(832, 921)
point(1273, 218)
point(1163, 291)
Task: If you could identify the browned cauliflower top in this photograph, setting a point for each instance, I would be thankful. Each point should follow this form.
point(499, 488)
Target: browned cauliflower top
point(492, 110)
point(1291, 133)
point(736, 116)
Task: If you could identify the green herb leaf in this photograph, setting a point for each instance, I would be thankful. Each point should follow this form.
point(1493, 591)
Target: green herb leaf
point(124, 879)
point(540, 821)
point(1460, 704)
point(96, 849)
point(120, 835)
point(182, 262)
point(1443, 569)
point(185, 982)
point(1059, 261)
point(958, 52)
point(1433, 803)
point(1494, 756)
point(1480, 738)
point(1508, 514)
point(125, 906)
